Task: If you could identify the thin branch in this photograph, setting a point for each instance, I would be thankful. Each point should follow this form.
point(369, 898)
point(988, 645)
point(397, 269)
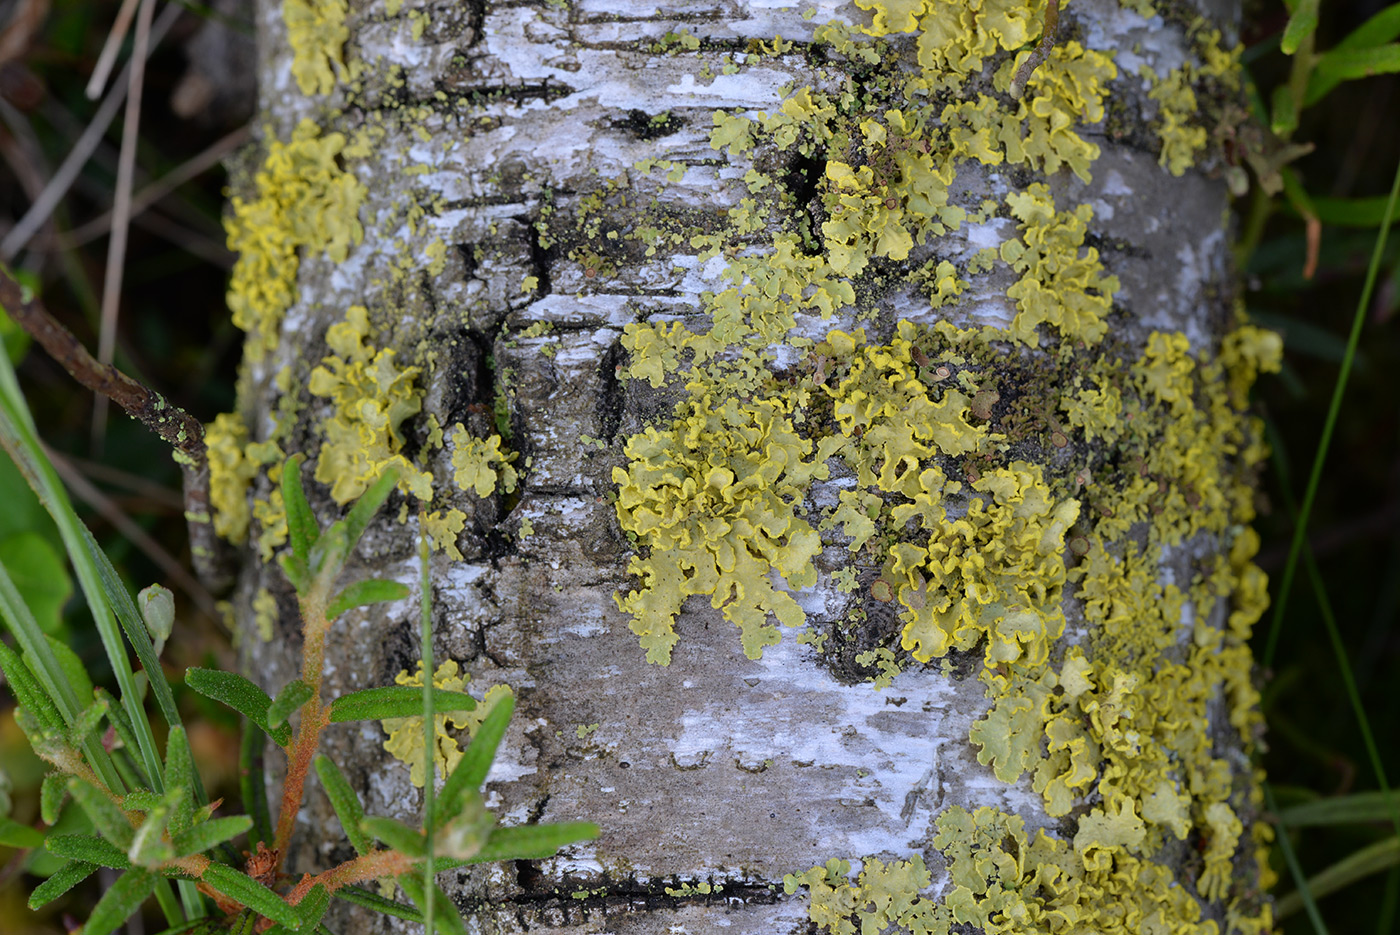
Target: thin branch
point(110, 48)
point(121, 210)
point(176, 426)
point(1042, 51)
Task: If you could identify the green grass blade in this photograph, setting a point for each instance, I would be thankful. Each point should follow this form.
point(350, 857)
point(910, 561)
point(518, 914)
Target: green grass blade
point(345, 802)
point(1358, 865)
point(390, 701)
point(1300, 528)
point(1358, 808)
point(425, 637)
point(252, 784)
point(1291, 858)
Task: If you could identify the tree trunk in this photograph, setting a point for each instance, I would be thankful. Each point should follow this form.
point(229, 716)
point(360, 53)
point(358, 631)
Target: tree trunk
point(936, 394)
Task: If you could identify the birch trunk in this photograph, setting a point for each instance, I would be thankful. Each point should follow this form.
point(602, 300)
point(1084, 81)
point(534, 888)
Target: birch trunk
point(490, 206)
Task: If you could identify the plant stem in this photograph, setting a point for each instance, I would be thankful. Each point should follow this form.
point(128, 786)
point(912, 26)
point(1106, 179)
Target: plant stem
point(313, 716)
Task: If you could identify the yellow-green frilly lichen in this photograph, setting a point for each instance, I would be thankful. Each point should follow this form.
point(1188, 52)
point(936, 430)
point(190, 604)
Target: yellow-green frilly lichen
point(303, 201)
point(317, 33)
point(993, 477)
point(405, 741)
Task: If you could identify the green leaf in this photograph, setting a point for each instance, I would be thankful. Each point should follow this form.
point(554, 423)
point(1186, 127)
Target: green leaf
point(376, 704)
point(89, 720)
point(150, 846)
point(1301, 24)
point(292, 696)
point(466, 833)
point(88, 848)
point(370, 591)
point(67, 877)
point(396, 835)
point(367, 899)
point(1360, 808)
point(53, 792)
point(107, 818)
point(251, 782)
point(345, 802)
point(40, 576)
point(1284, 111)
point(302, 530)
point(120, 901)
point(30, 695)
point(475, 763)
point(535, 842)
point(313, 906)
point(142, 800)
point(1355, 866)
point(211, 834)
point(1379, 29)
point(1349, 64)
point(364, 509)
point(116, 716)
point(239, 694)
point(179, 775)
point(14, 834)
point(244, 889)
point(445, 914)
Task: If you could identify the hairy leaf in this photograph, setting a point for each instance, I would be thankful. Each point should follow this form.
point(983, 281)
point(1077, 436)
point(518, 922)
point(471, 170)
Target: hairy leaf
point(475, 763)
point(345, 802)
point(371, 900)
point(244, 889)
point(67, 877)
point(88, 848)
point(391, 701)
point(292, 696)
point(107, 818)
point(369, 591)
point(395, 834)
point(239, 694)
point(120, 901)
point(210, 834)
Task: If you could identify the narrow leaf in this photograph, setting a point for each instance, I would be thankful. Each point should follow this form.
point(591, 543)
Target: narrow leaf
point(302, 530)
point(142, 800)
point(239, 694)
point(244, 889)
point(88, 721)
point(109, 820)
point(28, 692)
point(1379, 29)
point(364, 508)
point(375, 704)
point(528, 842)
point(14, 834)
point(445, 914)
point(116, 716)
point(1301, 24)
point(52, 794)
point(252, 784)
point(370, 900)
point(179, 777)
point(73, 669)
point(1348, 64)
point(1360, 808)
point(475, 763)
point(150, 847)
point(395, 834)
point(1355, 866)
point(210, 834)
point(370, 591)
point(292, 696)
point(88, 848)
point(345, 802)
point(120, 901)
point(67, 877)
point(313, 906)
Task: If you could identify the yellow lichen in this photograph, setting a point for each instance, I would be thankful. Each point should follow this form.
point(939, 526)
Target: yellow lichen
point(712, 498)
point(371, 396)
point(303, 201)
point(317, 33)
point(1059, 285)
point(479, 464)
point(230, 473)
point(405, 741)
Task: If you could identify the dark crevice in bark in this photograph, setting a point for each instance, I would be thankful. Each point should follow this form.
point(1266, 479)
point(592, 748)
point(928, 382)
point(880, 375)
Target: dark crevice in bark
point(645, 126)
